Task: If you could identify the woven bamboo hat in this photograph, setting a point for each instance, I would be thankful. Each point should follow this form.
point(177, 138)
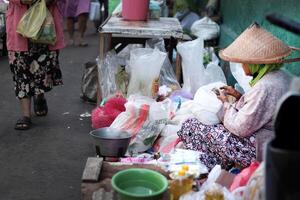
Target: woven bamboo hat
point(257, 46)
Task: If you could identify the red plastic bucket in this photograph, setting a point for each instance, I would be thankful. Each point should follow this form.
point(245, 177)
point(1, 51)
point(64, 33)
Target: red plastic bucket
point(135, 10)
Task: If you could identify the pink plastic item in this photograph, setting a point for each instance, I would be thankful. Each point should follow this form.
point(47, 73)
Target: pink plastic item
point(135, 10)
point(105, 115)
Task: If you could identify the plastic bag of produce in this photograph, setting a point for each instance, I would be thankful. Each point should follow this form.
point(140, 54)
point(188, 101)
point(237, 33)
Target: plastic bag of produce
point(144, 119)
point(33, 19)
point(145, 65)
point(47, 33)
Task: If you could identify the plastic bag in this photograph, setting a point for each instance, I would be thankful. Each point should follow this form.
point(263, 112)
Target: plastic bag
point(94, 11)
point(105, 115)
point(208, 104)
point(89, 82)
point(47, 33)
point(205, 28)
point(113, 77)
point(240, 76)
point(145, 65)
point(192, 64)
point(210, 189)
point(33, 19)
point(167, 75)
point(144, 119)
point(242, 178)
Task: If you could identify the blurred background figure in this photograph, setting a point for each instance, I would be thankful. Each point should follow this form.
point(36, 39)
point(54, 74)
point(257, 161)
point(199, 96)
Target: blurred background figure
point(77, 11)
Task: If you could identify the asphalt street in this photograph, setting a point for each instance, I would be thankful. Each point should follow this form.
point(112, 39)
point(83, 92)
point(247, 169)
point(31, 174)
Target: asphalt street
point(47, 161)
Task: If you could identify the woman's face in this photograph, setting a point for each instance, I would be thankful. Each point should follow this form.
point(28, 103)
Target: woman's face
point(246, 69)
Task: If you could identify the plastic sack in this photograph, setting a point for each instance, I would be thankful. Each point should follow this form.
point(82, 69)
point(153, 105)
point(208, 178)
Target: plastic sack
point(145, 65)
point(205, 28)
point(89, 82)
point(105, 115)
point(210, 189)
point(47, 33)
point(255, 188)
point(167, 75)
point(192, 64)
point(214, 73)
point(33, 19)
point(208, 104)
point(242, 178)
point(95, 10)
point(168, 139)
point(144, 119)
point(113, 77)
point(240, 76)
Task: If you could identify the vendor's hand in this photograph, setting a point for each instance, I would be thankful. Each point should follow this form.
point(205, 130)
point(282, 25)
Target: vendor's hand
point(231, 91)
point(27, 2)
point(223, 97)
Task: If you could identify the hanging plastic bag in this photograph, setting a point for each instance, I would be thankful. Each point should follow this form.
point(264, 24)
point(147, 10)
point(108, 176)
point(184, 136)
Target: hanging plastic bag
point(113, 78)
point(47, 33)
point(33, 19)
point(145, 65)
point(95, 11)
point(205, 28)
point(167, 75)
point(192, 64)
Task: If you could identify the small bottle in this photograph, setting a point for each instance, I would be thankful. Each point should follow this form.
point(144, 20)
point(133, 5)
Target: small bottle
point(181, 183)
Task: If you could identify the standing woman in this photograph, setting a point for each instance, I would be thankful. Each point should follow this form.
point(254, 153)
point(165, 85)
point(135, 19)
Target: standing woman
point(77, 10)
point(35, 67)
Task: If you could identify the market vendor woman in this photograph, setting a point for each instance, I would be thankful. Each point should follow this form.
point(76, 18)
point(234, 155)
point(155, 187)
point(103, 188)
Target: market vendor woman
point(246, 124)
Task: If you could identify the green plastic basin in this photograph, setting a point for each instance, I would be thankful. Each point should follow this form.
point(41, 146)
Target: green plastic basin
point(139, 183)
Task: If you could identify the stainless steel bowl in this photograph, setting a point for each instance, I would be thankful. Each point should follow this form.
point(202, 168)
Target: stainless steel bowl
point(111, 142)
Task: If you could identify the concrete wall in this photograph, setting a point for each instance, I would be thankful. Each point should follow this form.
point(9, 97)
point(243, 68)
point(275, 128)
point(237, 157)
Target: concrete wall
point(239, 14)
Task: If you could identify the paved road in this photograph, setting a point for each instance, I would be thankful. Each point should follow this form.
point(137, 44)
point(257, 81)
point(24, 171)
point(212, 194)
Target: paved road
point(47, 161)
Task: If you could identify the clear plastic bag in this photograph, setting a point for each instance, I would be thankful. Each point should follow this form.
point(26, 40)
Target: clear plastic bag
point(112, 76)
point(167, 75)
point(205, 28)
point(33, 19)
point(192, 64)
point(145, 65)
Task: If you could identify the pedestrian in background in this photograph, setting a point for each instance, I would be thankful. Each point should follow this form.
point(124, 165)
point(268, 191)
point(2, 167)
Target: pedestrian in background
point(35, 67)
point(77, 10)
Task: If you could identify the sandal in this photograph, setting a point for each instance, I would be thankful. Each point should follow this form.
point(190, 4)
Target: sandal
point(23, 123)
point(40, 106)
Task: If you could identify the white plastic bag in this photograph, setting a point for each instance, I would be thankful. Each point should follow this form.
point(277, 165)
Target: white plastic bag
point(145, 65)
point(205, 28)
point(214, 73)
point(240, 76)
point(144, 119)
point(192, 64)
point(208, 104)
point(167, 75)
point(94, 11)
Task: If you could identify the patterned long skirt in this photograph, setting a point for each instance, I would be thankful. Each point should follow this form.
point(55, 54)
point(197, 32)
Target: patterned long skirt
point(35, 71)
point(217, 144)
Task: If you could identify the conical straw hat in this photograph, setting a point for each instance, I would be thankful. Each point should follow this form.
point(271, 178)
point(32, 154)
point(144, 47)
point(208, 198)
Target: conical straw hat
point(256, 46)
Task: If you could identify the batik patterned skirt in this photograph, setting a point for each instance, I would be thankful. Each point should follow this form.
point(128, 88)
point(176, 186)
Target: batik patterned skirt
point(35, 71)
point(217, 144)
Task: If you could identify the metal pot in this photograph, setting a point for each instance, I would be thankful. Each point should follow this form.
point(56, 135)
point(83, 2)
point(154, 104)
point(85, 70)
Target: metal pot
point(111, 142)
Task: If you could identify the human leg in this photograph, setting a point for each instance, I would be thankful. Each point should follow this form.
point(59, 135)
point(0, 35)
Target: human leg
point(24, 122)
point(71, 29)
point(82, 24)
